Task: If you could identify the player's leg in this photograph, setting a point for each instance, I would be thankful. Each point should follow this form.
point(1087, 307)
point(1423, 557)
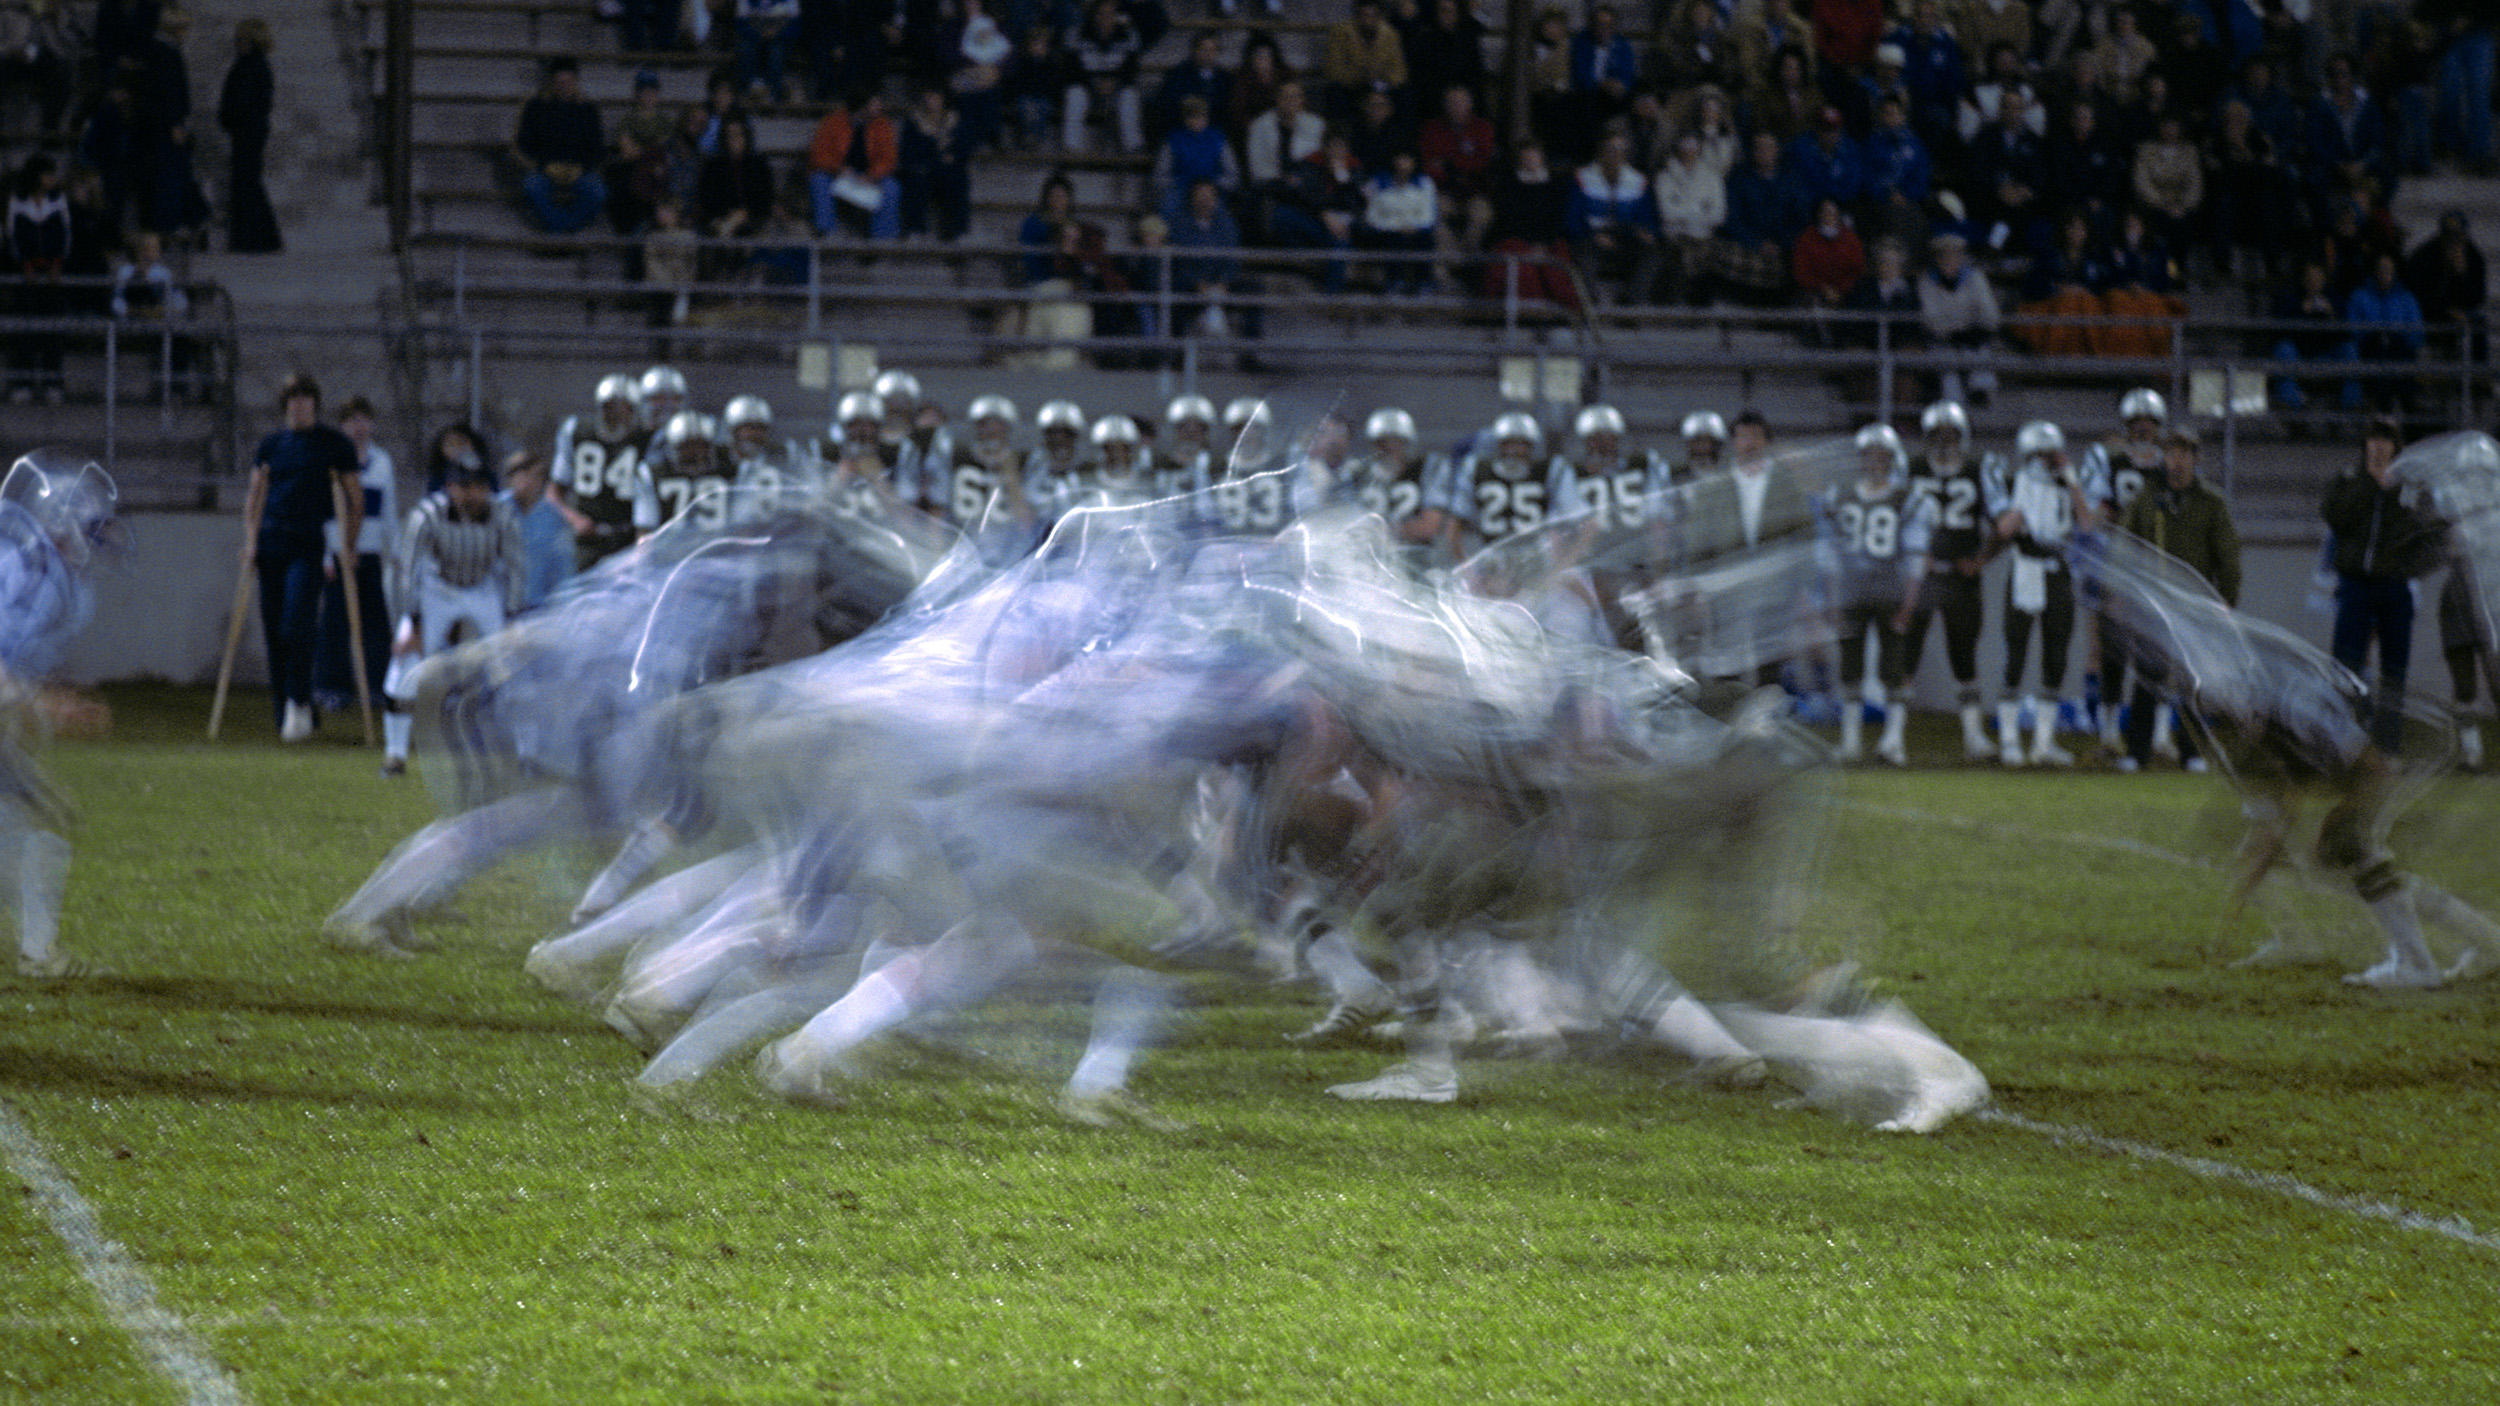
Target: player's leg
point(1129, 1008)
point(2018, 627)
point(429, 866)
point(1964, 609)
point(2057, 631)
point(37, 860)
point(2109, 683)
point(579, 963)
point(1853, 625)
point(2464, 666)
point(1892, 671)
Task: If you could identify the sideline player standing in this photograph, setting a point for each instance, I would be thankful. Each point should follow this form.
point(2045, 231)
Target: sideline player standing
point(2114, 472)
point(1874, 548)
point(54, 513)
point(1958, 550)
point(2036, 508)
point(598, 471)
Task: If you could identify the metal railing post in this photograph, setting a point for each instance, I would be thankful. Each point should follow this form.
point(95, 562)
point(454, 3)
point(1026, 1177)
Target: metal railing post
point(2230, 428)
point(165, 379)
point(1164, 258)
point(1189, 366)
point(112, 391)
point(1510, 297)
point(477, 376)
point(1883, 370)
point(460, 281)
point(2178, 362)
point(815, 286)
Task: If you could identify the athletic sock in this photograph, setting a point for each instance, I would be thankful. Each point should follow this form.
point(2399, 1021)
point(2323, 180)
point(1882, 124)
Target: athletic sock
point(42, 876)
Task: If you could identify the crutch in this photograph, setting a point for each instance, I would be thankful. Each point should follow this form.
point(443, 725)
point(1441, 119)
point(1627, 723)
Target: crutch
point(350, 588)
point(234, 641)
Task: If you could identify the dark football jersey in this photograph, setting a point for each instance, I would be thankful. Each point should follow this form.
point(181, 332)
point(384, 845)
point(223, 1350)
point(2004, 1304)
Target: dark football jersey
point(600, 475)
point(1959, 521)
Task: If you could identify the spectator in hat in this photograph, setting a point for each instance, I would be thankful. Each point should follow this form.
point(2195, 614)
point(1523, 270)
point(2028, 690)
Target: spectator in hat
point(1827, 161)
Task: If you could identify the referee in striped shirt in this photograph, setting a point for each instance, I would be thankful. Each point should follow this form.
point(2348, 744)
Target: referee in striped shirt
point(461, 563)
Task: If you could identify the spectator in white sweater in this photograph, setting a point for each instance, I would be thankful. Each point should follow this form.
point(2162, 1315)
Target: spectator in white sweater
point(1692, 204)
point(1960, 310)
point(1401, 208)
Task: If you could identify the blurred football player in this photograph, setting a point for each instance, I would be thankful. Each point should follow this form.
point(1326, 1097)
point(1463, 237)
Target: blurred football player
point(1509, 489)
point(664, 395)
point(686, 474)
point(56, 514)
point(1705, 443)
point(769, 473)
point(1398, 481)
point(1605, 478)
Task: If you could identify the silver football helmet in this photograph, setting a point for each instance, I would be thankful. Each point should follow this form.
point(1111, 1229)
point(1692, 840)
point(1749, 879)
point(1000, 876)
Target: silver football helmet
point(2143, 403)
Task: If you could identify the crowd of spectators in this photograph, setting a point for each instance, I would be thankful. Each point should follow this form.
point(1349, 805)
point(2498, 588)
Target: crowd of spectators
point(2084, 162)
point(105, 198)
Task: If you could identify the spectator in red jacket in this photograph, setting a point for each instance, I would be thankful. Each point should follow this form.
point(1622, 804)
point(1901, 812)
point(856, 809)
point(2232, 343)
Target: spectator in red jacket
point(1458, 148)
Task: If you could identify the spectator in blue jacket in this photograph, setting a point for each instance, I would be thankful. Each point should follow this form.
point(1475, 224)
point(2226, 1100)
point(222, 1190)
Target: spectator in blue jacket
point(1898, 172)
point(2388, 323)
point(2346, 137)
point(1205, 277)
point(1933, 68)
point(1827, 161)
point(1767, 207)
point(1192, 152)
point(1613, 222)
point(1604, 67)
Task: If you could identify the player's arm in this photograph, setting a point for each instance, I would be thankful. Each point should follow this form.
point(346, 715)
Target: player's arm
point(560, 483)
point(1918, 530)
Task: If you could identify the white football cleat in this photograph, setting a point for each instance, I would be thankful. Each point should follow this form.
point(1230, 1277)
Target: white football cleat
point(2396, 975)
point(1892, 749)
point(2470, 746)
point(1975, 744)
point(59, 966)
point(1111, 1108)
point(2198, 766)
point(298, 724)
point(1416, 1081)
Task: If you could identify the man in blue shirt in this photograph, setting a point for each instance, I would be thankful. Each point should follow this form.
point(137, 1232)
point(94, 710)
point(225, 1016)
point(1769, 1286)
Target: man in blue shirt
point(546, 538)
point(298, 474)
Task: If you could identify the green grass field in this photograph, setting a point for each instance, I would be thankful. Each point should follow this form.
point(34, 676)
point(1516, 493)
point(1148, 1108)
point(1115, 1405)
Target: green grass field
point(378, 1182)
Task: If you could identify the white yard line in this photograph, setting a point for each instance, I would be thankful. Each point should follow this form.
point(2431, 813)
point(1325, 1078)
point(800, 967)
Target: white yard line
point(129, 1296)
point(2365, 1208)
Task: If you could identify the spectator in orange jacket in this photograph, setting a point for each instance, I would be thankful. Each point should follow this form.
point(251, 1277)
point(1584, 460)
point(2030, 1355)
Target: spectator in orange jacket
point(851, 169)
